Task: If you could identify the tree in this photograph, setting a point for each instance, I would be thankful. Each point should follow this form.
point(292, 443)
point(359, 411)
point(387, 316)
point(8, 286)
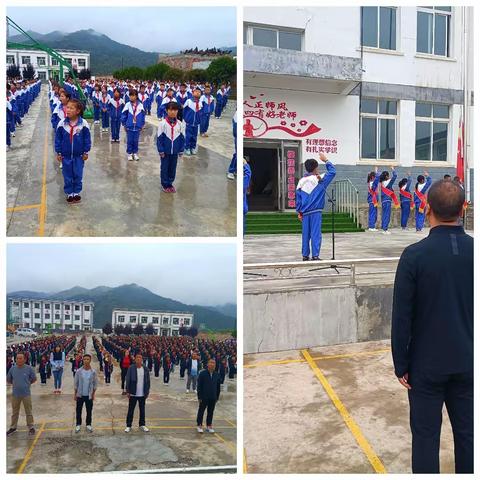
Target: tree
point(149, 330)
point(138, 329)
point(234, 333)
point(119, 330)
point(176, 74)
point(159, 71)
point(28, 72)
point(84, 74)
point(221, 70)
point(130, 73)
point(127, 330)
point(13, 71)
point(107, 328)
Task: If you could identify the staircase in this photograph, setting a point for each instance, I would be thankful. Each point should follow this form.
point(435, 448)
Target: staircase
point(260, 223)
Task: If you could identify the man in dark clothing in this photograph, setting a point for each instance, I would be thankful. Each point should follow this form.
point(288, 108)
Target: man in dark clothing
point(137, 384)
point(432, 331)
point(208, 392)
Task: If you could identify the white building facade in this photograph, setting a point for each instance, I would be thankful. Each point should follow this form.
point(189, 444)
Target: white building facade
point(164, 323)
point(368, 86)
point(47, 67)
point(55, 314)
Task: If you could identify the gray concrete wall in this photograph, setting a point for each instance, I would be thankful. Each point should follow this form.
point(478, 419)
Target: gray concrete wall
point(328, 316)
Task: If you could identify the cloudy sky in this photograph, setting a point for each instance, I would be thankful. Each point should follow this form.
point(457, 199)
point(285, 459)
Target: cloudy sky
point(160, 29)
point(202, 274)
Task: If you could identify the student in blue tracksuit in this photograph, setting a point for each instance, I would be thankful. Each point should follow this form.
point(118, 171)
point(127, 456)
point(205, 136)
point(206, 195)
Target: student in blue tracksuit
point(247, 176)
point(170, 146)
point(191, 115)
point(232, 169)
point(10, 122)
point(60, 111)
point(96, 96)
point(387, 195)
point(310, 201)
point(406, 200)
point(207, 110)
point(420, 199)
point(150, 91)
point(219, 101)
point(115, 110)
point(72, 144)
point(133, 119)
point(159, 96)
point(104, 109)
point(169, 97)
point(144, 98)
point(372, 199)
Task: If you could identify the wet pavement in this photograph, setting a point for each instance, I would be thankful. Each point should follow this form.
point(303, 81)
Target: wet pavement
point(172, 442)
point(120, 198)
point(291, 424)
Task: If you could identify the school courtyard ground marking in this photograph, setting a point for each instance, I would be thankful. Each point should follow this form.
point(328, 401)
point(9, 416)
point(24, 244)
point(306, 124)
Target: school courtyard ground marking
point(21, 468)
point(42, 213)
point(229, 444)
point(245, 464)
point(347, 418)
point(22, 207)
point(316, 359)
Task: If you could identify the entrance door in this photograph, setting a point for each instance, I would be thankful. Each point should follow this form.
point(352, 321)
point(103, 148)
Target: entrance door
point(264, 191)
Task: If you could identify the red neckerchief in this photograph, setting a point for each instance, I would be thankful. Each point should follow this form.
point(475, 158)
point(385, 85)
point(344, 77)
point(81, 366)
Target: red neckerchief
point(196, 105)
point(391, 194)
point(408, 195)
point(72, 127)
point(423, 200)
point(374, 195)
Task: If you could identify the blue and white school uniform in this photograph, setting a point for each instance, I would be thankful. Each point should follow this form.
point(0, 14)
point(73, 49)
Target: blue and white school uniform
point(405, 203)
point(387, 201)
point(310, 202)
point(96, 96)
point(133, 119)
point(207, 110)
point(72, 141)
point(145, 99)
point(104, 109)
point(233, 164)
point(372, 199)
point(58, 114)
point(151, 98)
point(163, 106)
point(159, 99)
point(115, 108)
point(10, 122)
point(421, 189)
point(191, 115)
point(219, 102)
point(170, 143)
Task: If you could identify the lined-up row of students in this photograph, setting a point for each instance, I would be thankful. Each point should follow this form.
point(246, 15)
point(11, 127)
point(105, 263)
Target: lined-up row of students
point(20, 96)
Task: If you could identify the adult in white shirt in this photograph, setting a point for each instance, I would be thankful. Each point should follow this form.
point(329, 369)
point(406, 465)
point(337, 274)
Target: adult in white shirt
point(137, 385)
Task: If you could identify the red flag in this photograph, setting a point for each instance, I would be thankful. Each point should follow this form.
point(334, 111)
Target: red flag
point(460, 157)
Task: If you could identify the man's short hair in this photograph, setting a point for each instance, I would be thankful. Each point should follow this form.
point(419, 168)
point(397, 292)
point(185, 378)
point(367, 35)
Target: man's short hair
point(446, 199)
point(447, 176)
point(20, 353)
point(172, 106)
point(310, 165)
point(87, 355)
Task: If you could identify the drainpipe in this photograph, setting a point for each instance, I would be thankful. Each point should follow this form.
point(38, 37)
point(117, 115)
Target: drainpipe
point(465, 104)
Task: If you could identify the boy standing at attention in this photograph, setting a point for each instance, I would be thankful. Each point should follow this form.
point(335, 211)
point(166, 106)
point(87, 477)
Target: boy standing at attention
point(170, 146)
point(310, 201)
point(192, 112)
point(133, 119)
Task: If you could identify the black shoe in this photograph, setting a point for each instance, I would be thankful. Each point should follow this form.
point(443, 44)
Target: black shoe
point(70, 199)
point(31, 431)
point(11, 430)
point(315, 258)
point(306, 259)
point(77, 198)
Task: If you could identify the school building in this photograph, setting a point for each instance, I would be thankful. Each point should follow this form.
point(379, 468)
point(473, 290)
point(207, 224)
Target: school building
point(164, 323)
point(51, 313)
point(47, 68)
point(368, 86)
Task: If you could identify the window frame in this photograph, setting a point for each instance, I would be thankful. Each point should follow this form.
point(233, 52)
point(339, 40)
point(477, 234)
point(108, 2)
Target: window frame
point(249, 35)
point(378, 116)
point(448, 31)
point(397, 37)
point(432, 119)
point(29, 60)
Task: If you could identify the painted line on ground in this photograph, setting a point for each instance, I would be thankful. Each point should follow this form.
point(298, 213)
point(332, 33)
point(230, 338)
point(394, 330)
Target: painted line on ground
point(21, 208)
point(148, 419)
point(22, 466)
point(228, 443)
point(347, 418)
point(323, 357)
point(42, 212)
point(245, 464)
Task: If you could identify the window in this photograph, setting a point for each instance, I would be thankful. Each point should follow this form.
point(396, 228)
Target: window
point(42, 75)
point(57, 316)
point(69, 60)
point(10, 59)
point(431, 131)
point(175, 320)
point(77, 307)
point(57, 306)
point(67, 307)
point(77, 317)
point(37, 315)
point(16, 304)
point(165, 331)
point(26, 305)
point(86, 308)
point(25, 60)
point(165, 321)
point(379, 27)
point(186, 322)
point(85, 320)
point(144, 319)
point(47, 316)
point(155, 320)
point(133, 319)
point(273, 37)
point(82, 62)
point(47, 306)
point(54, 62)
point(37, 305)
point(433, 30)
point(121, 318)
point(41, 61)
point(175, 333)
point(26, 315)
point(378, 119)
point(67, 317)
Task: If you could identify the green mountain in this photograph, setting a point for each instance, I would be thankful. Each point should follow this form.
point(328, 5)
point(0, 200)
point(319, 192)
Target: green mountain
point(133, 296)
point(106, 55)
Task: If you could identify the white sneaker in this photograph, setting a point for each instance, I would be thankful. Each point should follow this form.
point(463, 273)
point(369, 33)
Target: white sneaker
point(143, 428)
point(128, 430)
point(372, 230)
point(130, 158)
point(199, 429)
point(136, 157)
point(77, 428)
point(188, 391)
point(194, 151)
point(386, 232)
point(230, 176)
point(89, 428)
point(195, 391)
point(12, 134)
point(210, 430)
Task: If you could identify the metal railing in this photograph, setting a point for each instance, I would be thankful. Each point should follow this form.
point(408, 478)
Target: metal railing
point(347, 199)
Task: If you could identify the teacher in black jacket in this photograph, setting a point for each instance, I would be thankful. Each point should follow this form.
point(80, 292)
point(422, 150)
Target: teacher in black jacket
point(208, 392)
point(432, 331)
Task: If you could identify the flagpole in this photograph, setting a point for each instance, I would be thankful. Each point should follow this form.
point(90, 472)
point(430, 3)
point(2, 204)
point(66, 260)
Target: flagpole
point(465, 106)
